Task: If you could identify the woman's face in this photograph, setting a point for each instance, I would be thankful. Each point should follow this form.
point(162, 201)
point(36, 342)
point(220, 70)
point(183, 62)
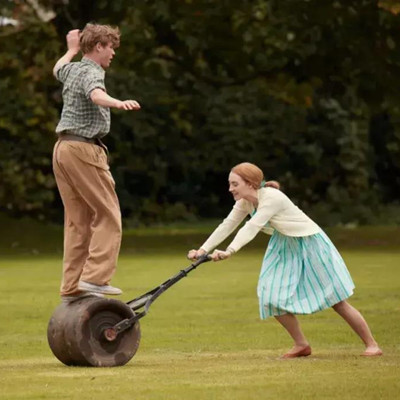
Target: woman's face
point(238, 187)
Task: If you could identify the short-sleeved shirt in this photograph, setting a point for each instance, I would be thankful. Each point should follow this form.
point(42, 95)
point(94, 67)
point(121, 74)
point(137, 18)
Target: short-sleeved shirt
point(80, 115)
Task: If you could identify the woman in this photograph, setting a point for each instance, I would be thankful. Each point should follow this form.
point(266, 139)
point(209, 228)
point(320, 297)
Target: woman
point(302, 272)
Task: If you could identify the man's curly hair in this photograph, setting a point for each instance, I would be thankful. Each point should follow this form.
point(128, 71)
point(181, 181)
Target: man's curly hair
point(94, 33)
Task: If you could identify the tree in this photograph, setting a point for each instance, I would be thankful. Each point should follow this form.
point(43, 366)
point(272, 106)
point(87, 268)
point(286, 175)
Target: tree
point(305, 89)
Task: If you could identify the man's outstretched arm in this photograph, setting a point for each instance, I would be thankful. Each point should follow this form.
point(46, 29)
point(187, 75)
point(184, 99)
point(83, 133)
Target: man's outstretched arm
point(101, 98)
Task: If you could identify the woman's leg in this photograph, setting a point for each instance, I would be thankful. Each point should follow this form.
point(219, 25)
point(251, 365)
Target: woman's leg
point(357, 322)
point(292, 325)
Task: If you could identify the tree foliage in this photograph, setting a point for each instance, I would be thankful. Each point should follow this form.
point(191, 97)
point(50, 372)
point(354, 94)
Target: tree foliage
point(305, 89)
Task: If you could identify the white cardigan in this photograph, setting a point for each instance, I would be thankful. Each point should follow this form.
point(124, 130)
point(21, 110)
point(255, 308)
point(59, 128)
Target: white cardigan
point(274, 208)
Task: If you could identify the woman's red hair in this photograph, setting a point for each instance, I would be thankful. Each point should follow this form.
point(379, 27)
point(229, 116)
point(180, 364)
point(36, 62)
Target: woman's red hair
point(250, 173)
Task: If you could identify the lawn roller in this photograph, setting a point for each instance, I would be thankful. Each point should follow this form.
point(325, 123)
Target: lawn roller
point(101, 332)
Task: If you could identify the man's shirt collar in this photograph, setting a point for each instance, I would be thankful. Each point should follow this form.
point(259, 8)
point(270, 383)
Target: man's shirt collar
point(93, 63)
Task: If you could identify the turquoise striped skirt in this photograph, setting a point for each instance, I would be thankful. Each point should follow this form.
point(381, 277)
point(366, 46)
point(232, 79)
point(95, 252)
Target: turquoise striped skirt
point(301, 275)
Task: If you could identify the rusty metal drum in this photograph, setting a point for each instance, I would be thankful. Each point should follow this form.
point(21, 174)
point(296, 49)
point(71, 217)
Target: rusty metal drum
point(77, 333)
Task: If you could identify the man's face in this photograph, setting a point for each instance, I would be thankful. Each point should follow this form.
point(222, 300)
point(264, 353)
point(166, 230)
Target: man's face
point(106, 54)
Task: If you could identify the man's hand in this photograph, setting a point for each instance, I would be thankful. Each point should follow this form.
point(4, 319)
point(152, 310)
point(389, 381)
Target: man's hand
point(127, 105)
point(73, 41)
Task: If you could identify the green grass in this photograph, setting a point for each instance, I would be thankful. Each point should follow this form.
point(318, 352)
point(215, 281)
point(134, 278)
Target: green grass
point(27, 237)
point(202, 339)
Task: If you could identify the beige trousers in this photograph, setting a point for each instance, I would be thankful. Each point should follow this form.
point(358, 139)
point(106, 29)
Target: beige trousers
point(92, 219)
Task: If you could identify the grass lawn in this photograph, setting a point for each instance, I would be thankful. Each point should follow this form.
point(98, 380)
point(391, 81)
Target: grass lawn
point(202, 339)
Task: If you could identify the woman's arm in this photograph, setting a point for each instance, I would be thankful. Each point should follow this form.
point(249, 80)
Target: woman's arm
point(269, 206)
point(228, 225)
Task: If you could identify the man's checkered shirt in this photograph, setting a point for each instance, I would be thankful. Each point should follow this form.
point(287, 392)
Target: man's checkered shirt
point(80, 115)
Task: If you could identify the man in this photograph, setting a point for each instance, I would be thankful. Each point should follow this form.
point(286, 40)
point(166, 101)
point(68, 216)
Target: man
point(92, 230)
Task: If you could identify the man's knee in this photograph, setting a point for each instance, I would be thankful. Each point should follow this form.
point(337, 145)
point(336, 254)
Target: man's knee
point(114, 224)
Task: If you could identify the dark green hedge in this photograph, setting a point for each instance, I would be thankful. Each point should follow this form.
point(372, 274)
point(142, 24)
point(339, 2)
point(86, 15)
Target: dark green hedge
point(308, 90)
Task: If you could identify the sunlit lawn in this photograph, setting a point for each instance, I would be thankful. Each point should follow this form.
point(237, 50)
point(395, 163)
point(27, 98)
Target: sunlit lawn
point(202, 339)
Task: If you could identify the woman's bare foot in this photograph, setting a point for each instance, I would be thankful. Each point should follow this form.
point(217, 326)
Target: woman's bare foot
point(372, 351)
point(298, 351)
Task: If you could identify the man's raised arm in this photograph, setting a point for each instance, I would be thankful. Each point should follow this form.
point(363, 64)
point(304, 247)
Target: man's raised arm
point(73, 49)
